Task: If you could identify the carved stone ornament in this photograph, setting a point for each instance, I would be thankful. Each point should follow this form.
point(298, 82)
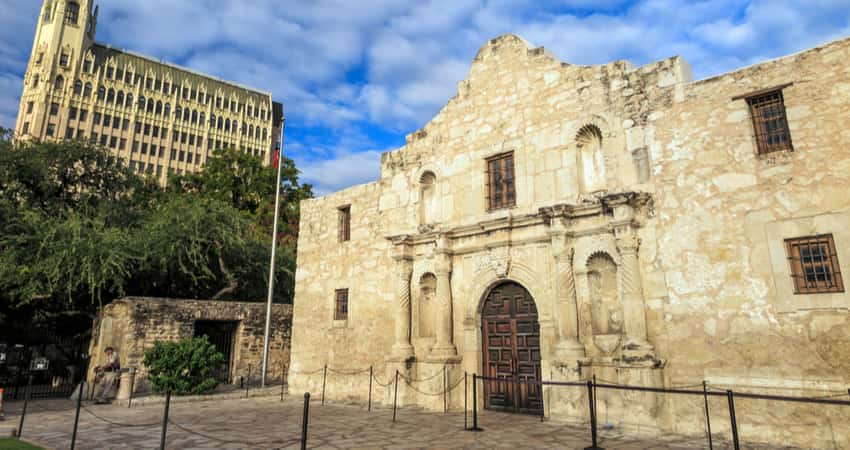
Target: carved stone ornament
point(497, 259)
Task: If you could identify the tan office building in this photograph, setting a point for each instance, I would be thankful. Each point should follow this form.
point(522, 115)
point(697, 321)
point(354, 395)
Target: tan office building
point(157, 117)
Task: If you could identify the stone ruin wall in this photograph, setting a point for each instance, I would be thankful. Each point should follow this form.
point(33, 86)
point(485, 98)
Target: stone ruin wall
point(131, 325)
point(713, 274)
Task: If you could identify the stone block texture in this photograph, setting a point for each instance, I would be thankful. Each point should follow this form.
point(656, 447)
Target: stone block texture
point(131, 325)
point(646, 226)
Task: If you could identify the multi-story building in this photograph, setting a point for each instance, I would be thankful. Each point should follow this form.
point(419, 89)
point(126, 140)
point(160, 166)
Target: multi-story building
point(157, 117)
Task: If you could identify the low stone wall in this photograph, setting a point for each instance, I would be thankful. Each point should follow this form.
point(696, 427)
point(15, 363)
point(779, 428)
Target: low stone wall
point(131, 325)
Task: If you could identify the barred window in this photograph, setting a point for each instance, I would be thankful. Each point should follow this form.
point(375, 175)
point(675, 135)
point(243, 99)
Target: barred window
point(341, 304)
point(344, 223)
point(769, 122)
point(501, 192)
point(814, 264)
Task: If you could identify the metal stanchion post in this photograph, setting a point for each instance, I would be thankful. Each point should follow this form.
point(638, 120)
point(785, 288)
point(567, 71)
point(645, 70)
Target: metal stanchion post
point(707, 415)
point(324, 381)
point(475, 404)
point(248, 382)
point(445, 391)
point(132, 386)
point(395, 396)
point(542, 409)
point(165, 420)
point(304, 418)
point(77, 417)
point(370, 389)
point(591, 401)
point(465, 400)
point(734, 420)
point(282, 379)
point(24, 410)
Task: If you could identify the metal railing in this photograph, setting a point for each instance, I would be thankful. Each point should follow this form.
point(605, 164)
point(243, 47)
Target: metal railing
point(592, 386)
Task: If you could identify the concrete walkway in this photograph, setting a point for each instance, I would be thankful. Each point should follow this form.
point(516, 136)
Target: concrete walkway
point(265, 423)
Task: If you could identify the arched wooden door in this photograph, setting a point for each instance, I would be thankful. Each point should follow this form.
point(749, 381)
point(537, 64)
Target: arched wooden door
point(511, 336)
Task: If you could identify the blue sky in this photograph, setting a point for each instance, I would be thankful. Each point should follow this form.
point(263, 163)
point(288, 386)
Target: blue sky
point(356, 76)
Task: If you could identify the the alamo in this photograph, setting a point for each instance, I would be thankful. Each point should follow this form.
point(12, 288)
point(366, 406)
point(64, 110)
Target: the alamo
point(559, 222)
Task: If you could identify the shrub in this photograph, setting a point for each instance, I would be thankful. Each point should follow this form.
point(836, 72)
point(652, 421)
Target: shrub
point(184, 366)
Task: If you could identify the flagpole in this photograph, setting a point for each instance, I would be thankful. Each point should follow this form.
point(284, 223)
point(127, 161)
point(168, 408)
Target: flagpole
point(271, 266)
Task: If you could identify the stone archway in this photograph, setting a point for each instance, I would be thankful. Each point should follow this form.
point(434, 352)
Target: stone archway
point(510, 335)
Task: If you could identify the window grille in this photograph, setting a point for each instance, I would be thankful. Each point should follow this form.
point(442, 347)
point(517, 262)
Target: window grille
point(341, 304)
point(814, 264)
point(345, 223)
point(769, 122)
point(501, 188)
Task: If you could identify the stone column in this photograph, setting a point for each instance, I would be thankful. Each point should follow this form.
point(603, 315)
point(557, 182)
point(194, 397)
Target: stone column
point(569, 348)
point(444, 347)
point(636, 348)
point(402, 349)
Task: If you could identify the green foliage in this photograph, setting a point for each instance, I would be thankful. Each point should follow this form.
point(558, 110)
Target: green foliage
point(77, 230)
point(183, 367)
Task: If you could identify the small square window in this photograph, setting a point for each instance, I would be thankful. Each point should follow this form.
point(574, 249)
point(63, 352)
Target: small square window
point(814, 265)
point(341, 304)
point(344, 223)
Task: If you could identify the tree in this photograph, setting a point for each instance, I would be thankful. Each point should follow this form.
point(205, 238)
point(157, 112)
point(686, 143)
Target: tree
point(78, 230)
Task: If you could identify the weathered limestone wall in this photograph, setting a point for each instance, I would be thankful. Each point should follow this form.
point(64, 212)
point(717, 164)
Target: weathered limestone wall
point(637, 173)
point(131, 325)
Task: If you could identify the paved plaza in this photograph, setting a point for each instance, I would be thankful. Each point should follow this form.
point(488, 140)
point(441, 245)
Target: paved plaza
point(265, 423)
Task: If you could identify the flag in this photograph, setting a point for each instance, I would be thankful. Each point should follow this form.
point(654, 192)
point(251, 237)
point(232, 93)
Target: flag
point(276, 154)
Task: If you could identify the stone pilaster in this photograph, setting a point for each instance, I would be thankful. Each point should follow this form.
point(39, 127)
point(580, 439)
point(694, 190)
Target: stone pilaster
point(402, 348)
point(569, 349)
point(636, 348)
point(444, 348)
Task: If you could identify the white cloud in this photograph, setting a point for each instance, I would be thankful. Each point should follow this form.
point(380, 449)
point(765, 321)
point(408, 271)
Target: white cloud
point(357, 75)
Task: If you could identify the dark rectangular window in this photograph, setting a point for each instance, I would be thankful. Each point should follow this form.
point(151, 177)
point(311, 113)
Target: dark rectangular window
point(122, 144)
point(72, 113)
point(147, 129)
point(63, 59)
point(182, 156)
point(113, 142)
point(97, 118)
point(107, 119)
point(51, 129)
point(144, 148)
point(155, 131)
point(814, 264)
point(54, 109)
point(189, 157)
point(153, 150)
point(29, 107)
point(93, 138)
point(119, 74)
point(103, 139)
point(501, 191)
point(84, 114)
point(344, 223)
point(69, 133)
point(138, 127)
point(135, 147)
point(116, 123)
point(769, 122)
point(125, 125)
point(341, 304)
point(173, 154)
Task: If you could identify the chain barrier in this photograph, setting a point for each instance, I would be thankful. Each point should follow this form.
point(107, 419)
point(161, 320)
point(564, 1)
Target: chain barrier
point(434, 394)
point(429, 378)
point(227, 441)
point(119, 424)
point(378, 382)
point(307, 373)
point(348, 372)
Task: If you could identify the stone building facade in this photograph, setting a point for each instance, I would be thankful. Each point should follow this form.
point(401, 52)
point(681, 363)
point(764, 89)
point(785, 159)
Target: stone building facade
point(560, 222)
point(131, 325)
point(156, 117)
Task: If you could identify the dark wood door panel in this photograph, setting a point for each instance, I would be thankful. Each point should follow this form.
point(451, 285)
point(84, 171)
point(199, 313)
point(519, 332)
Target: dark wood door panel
point(511, 335)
